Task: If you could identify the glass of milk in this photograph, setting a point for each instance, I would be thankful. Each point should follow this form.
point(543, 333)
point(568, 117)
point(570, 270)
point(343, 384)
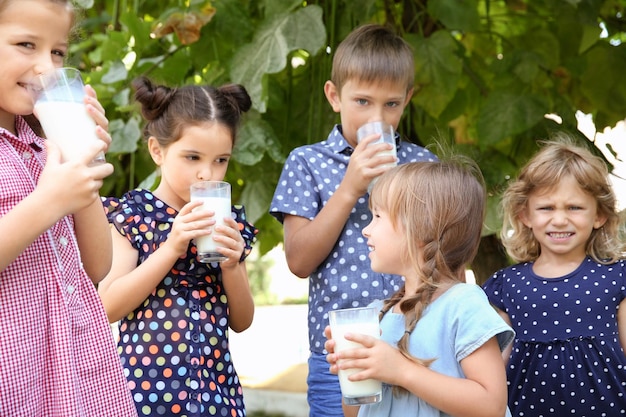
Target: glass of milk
point(363, 320)
point(386, 135)
point(60, 108)
point(215, 196)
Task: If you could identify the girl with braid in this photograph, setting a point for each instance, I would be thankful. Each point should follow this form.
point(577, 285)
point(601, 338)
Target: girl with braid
point(441, 341)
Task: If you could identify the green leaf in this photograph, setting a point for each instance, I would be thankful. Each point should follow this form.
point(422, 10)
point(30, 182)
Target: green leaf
point(456, 14)
point(506, 114)
point(603, 80)
point(268, 52)
point(256, 137)
point(117, 72)
point(85, 4)
point(437, 71)
point(125, 136)
point(256, 197)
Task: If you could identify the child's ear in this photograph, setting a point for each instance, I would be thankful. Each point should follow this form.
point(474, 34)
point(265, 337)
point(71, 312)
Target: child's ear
point(523, 216)
point(332, 95)
point(600, 220)
point(156, 152)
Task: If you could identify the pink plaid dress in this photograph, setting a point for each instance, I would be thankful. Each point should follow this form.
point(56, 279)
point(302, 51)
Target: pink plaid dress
point(57, 354)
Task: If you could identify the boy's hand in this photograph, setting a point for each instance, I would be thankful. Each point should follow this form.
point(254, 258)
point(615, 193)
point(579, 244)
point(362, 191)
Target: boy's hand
point(365, 164)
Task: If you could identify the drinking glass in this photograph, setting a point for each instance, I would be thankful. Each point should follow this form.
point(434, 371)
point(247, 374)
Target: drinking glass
point(363, 320)
point(387, 135)
point(215, 196)
point(60, 108)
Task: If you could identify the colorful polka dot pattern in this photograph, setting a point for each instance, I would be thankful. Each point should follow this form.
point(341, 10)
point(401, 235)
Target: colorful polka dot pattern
point(174, 347)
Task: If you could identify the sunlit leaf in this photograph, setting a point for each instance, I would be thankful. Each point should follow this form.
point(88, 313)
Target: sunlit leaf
point(186, 25)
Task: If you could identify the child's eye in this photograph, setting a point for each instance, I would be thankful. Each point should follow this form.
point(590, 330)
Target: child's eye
point(222, 160)
point(192, 157)
point(28, 45)
point(59, 53)
point(393, 104)
point(361, 101)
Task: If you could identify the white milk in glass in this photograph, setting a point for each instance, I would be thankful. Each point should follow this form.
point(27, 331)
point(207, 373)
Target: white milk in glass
point(206, 245)
point(69, 125)
point(356, 392)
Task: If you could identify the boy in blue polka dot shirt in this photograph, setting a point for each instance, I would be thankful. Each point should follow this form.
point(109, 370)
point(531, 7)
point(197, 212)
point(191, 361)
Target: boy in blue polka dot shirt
point(321, 197)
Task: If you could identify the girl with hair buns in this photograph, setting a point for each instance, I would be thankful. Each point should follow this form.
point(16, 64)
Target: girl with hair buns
point(176, 312)
point(566, 297)
point(441, 342)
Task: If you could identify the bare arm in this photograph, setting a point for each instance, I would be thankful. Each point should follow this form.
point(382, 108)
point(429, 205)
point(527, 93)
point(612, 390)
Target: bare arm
point(482, 393)
point(317, 237)
point(235, 276)
point(128, 285)
point(621, 324)
point(63, 188)
point(94, 240)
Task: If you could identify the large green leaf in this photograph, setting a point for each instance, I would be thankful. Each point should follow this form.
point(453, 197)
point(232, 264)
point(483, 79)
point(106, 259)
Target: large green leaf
point(506, 114)
point(268, 52)
point(603, 80)
point(456, 14)
point(437, 71)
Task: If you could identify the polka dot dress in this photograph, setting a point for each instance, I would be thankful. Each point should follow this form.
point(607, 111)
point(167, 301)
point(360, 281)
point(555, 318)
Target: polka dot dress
point(566, 358)
point(174, 347)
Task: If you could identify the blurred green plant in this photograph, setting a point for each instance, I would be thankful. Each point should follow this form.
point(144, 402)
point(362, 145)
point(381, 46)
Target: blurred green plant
point(487, 73)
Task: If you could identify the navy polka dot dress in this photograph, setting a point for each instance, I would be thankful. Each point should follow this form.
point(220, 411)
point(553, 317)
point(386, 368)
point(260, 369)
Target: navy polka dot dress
point(566, 358)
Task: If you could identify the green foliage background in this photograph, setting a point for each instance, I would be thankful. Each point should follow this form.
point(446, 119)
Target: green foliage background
point(487, 72)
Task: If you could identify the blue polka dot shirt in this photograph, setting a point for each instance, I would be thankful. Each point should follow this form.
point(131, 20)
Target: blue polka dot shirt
point(310, 176)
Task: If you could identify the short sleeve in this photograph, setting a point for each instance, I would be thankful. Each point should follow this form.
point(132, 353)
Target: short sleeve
point(248, 231)
point(493, 289)
point(297, 190)
point(478, 322)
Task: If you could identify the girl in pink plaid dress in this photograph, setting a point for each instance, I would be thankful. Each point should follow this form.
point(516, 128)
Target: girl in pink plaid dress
point(57, 355)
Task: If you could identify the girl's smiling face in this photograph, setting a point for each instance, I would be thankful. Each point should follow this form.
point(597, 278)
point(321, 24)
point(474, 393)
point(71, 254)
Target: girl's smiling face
point(386, 244)
point(201, 154)
point(33, 39)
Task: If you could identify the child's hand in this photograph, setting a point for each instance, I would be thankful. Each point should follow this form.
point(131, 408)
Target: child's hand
point(188, 225)
point(365, 164)
point(97, 113)
point(329, 345)
point(376, 359)
point(71, 186)
point(229, 236)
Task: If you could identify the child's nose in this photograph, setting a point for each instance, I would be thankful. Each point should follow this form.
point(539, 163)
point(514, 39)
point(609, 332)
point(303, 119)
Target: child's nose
point(204, 174)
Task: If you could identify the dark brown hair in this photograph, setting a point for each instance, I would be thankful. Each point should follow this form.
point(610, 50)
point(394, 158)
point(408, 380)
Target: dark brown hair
point(169, 110)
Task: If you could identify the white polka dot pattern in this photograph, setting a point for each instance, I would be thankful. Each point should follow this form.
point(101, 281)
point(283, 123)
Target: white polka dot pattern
point(566, 358)
point(310, 176)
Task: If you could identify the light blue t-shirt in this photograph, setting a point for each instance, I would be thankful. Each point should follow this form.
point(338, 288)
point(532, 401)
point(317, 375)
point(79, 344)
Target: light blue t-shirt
point(310, 176)
point(450, 329)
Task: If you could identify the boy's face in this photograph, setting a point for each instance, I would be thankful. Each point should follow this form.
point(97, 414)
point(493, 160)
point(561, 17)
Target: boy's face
point(361, 102)
point(33, 39)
